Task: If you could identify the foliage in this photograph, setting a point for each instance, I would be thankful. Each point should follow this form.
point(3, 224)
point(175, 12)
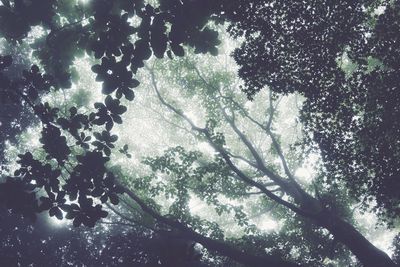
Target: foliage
point(287, 46)
point(41, 244)
point(350, 116)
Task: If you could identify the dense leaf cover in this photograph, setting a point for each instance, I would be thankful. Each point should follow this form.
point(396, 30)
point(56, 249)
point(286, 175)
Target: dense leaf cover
point(41, 244)
point(302, 46)
point(106, 37)
point(352, 115)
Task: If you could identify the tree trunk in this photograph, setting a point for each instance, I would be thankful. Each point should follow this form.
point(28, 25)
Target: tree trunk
point(365, 251)
point(344, 232)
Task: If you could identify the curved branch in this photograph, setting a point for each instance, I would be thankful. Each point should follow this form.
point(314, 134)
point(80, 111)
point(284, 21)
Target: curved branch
point(228, 160)
point(169, 106)
point(221, 247)
point(252, 164)
point(258, 185)
point(162, 118)
point(260, 163)
point(120, 214)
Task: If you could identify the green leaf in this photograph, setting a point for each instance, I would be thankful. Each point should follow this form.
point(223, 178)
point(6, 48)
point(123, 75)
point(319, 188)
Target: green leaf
point(178, 50)
point(114, 198)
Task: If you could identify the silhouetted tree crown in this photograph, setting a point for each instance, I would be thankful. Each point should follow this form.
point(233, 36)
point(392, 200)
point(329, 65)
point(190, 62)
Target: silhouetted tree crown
point(341, 56)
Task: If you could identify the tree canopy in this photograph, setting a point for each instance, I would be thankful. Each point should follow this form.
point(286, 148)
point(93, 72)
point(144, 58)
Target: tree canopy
point(199, 132)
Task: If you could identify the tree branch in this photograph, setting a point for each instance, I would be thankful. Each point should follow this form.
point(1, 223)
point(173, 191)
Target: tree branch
point(120, 214)
point(252, 164)
point(228, 160)
point(175, 110)
point(117, 223)
point(221, 247)
point(260, 162)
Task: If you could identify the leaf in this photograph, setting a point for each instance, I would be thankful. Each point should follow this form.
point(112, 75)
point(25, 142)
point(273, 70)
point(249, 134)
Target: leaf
point(98, 144)
point(109, 125)
point(169, 54)
point(120, 110)
point(177, 33)
point(113, 138)
point(60, 196)
point(109, 85)
point(129, 94)
point(214, 51)
point(103, 198)
point(53, 211)
point(97, 192)
point(108, 101)
point(74, 206)
point(73, 111)
point(70, 215)
point(133, 83)
point(107, 151)
point(65, 207)
point(116, 118)
point(98, 136)
point(46, 204)
point(142, 50)
point(73, 195)
point(17, 172)
point(77, 221)
point(99, 105)
point(64, 123)
point(103, 213)
point(97, 68)
point(59, 214)
point(34, 69)
point(158, 39)
point(118, 94)
point(178, 50)
point(114, 199)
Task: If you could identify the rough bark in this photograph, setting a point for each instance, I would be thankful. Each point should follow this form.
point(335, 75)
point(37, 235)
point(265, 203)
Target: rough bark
point(344, 232)
point(365, 251)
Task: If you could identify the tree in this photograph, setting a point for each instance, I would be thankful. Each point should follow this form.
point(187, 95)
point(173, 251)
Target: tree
point(343, 62)
point(77, 143)
point(224, 110)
